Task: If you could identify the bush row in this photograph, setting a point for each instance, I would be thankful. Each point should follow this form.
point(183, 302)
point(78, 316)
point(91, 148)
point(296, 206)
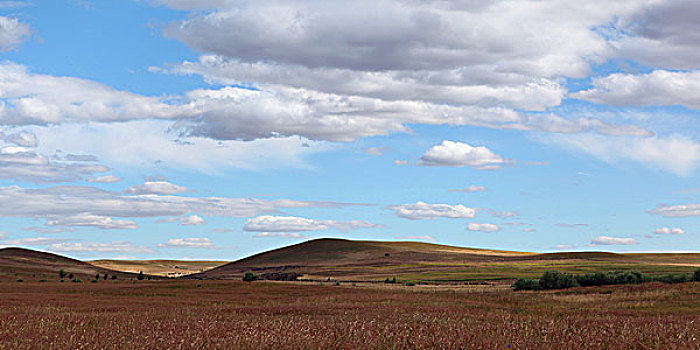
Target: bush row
point(561, 280)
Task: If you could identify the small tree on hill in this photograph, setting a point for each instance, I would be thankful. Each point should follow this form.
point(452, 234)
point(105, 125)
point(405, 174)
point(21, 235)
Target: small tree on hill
point(140, 277)
point(696, 275)
point(61, 274)
point(105, 276)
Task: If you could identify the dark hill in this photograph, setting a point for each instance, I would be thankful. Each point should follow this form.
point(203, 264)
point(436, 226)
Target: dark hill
point(30, 264)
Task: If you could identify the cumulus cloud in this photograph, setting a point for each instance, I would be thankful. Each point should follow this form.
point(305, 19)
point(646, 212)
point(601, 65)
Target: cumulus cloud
point(458, 154)
point(95, 221)
point(661, 34)
point(280, 235)
point(669, 231)
point(488, 42)
point(606, 240)
point(155, 187)
point(675, 154)
point(12, 33)
point(269, 223)
point(472, 226)
point(113, 247)
point(426, 211)
point(187, 243)
point(192, 220)
point(41, 99)
point(472, 188)
point(657, 88)
point(680, 210)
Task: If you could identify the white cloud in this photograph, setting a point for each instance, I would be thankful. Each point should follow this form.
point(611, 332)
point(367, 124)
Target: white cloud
point(280, 235)
point(663, 34)
point(563, 247)
point(12, 33)
point(95, 221)
point(22, 163)
point(458, 154)
point(64, 201)
point(487, 42)
point(22, 139)
point(104, 179)
point(187, 243)
point(472, 226)
point(192, 220)
point(472, 188)
point(157, 147)
point(680, 210)
point(657, 88)
point(606, 240)
point(425, 211)
point(113, 247)
point(155, 187)
point(297, 224)
point(40, 99)
point(674, 154)
point(669, 231)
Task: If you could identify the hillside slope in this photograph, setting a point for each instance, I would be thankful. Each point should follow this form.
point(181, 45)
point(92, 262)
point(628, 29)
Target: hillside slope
point(30, 264)
point(341, 259)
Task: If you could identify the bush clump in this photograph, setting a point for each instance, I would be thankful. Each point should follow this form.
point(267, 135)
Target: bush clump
point(526, 284)
point(250, 277)
point(561, 280)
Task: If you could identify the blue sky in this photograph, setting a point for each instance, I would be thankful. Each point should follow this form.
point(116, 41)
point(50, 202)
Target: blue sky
point(214, 129)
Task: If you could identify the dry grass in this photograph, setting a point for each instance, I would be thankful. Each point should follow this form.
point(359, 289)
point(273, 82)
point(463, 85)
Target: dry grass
point(263, 315)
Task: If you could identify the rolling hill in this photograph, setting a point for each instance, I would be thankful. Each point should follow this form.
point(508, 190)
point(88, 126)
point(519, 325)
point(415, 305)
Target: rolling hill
point(341, 259)
point(30, 264)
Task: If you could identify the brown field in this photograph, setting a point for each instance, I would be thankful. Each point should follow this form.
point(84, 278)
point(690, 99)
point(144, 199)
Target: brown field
point(191, 314)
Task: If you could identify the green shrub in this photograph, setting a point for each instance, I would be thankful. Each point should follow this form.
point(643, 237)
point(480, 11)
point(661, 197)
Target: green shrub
point(526, 284)
point(696, 275)
point(390, 280)
point(140, 276)
point(250, 277)
point(20, 279)
point(62, 274)
point(557, 280)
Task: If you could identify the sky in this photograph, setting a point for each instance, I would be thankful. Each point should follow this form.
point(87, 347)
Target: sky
point(216, 129)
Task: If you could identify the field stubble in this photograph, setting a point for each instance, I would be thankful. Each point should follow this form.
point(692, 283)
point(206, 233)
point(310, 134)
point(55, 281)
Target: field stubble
point(261, 315)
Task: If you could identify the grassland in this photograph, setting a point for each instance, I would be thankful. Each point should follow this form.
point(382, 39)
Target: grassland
point(192, 314)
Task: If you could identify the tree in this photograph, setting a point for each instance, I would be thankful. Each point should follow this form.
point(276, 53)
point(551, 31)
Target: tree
point(696, 275)
point(140, 277)
point(105, 276)
point(97, 276)
point(61, 274)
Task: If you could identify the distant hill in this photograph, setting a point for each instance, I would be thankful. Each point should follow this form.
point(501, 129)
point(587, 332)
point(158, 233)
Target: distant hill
point(342, 259)
point(164, 268)
point(32, 265)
